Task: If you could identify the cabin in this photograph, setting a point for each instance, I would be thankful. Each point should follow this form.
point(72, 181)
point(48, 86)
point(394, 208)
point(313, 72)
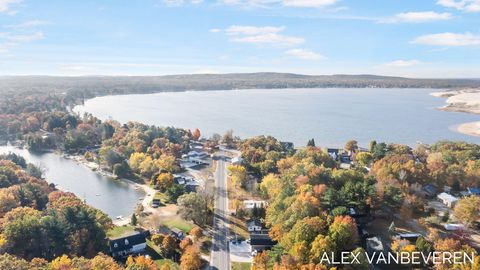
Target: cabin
point(447, 199)
point(124, 246)
point(254, 226)
point(177, 233)
point(250, 204)
point(430, 191)
point(261, 242)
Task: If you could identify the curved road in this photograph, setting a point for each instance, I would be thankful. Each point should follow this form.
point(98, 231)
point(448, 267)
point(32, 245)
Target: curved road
point(220, 257)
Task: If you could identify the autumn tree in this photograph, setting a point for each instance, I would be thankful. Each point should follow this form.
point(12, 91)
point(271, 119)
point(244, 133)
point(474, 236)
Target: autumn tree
point(260, 261)
point(364, 158)
point(194, 207)
point(196, 134)
point(140, 263)
point(238, 175)
point(185, 243)
point(191, 259)
point(164, 181)
point(196, 233)
point(157, 239)
point(169, 244)
point(343, 232)
point(351, 146)
point(467, 209)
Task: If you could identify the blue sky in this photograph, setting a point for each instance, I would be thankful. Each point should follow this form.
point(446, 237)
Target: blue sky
point(414, 38)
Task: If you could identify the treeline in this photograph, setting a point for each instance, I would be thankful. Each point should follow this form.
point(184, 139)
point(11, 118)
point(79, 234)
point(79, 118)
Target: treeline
point(38, 221)
point(87, 87)
point(310, 197)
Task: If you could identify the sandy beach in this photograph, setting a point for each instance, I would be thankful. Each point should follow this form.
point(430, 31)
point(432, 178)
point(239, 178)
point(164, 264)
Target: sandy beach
point(464, 100)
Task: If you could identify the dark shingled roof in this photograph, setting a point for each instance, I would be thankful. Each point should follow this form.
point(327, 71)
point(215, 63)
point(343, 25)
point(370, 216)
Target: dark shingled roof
point(261, 240)
point(132, 240)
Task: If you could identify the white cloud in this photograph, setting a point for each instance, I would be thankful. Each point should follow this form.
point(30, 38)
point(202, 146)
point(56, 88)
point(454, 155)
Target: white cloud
point(449, 39)
point(5, 5)
point(272, 38)
point(253, 30)
point(9, 41)
point(215, 30)
point(465, 5)
point(26, 38)
point(174, 3)
point(279, 3)
point(309, 3)
point(27, 24)
point(402, 63)
point(417, 17)
point(266, 35)
point(305, 54)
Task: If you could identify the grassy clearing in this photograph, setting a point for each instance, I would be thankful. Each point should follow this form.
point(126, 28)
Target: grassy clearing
point(241, 266)
point(178, 222)
point(172, 264)
point(119, 231)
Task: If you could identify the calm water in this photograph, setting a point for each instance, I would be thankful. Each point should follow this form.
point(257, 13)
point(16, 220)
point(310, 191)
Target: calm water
point(115, 197)
point(331, 116)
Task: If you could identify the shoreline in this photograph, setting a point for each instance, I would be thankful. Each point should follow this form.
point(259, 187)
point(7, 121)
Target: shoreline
point(471, 128)
point(94, 167)
point(465, 101)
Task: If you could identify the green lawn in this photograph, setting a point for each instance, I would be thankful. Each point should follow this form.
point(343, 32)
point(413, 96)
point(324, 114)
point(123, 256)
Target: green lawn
point(119, 231)
point(178, 222)
point(172, 264)
point(241, 266)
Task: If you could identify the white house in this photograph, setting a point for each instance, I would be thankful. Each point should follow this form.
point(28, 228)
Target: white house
point(237, 161)
point(254, 226)
point(132, 244)
point(250, 204)
point(453, 227)
point(447, 199)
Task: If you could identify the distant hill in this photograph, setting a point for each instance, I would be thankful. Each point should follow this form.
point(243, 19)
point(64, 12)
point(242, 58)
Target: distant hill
point(90, 86)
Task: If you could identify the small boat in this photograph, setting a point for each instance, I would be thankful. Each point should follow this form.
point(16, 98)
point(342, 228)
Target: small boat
point(97, 194)
point(140, 199)
point(119, 217)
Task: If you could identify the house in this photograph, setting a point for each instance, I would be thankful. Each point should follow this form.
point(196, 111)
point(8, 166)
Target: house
point(375, 245)
point(430, 190)
point(176, 232)
point(179, 179)
point(250, 204)
point(473, 191)
point(125, 246)
point(412, 237)
point(447, 199)
point(192, 186)
point(334, 153)
point(261, 242)
point(254, 226)
point(454, 227)
point(237, 161)
point(287, 146)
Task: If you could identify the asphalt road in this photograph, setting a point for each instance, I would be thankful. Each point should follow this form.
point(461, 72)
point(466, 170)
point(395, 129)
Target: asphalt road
point(220, 257)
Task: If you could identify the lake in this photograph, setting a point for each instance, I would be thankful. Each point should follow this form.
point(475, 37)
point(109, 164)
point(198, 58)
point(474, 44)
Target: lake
point(114, 198)
point(330, 116)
